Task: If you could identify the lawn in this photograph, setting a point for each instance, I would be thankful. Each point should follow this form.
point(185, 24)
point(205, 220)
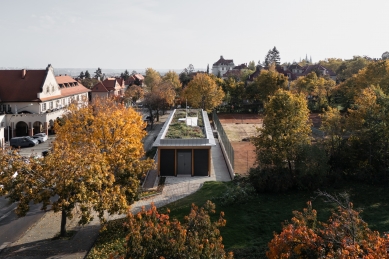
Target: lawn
point(250, 226)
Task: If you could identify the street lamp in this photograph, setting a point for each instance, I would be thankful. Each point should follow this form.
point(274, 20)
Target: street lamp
point(9, 121)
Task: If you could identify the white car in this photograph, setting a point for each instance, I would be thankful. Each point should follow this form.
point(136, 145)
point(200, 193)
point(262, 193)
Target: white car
point(41, 137)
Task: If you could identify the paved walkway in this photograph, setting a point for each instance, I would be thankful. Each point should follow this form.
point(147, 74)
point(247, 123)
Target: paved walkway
point(37, 243)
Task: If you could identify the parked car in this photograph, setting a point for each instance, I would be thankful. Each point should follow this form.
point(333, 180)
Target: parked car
point(26, 141)
point(41, 137)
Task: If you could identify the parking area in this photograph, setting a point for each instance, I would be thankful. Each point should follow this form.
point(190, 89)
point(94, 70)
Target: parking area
point(37, 149)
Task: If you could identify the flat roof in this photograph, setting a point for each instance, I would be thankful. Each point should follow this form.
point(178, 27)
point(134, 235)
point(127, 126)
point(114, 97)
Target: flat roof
point(209, 140)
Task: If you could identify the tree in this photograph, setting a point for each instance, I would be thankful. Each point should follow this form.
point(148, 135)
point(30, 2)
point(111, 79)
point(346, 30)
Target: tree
point(374, 73)
point(272, 57)
point(186, 75)
point(98, 74)
point(95, 164)
point(81, 75)
point(332, 63)
point(251, 65)
point(125, 75)
point(152, 78)
point(89, 82)
point(334, 126)
point(134, 93)
point(368, 122)
point(265, 85)
point(203, 92)
point(317, 89)
point(154, 235)
point(172, 77)
point(208, 69)
point(344, 235)
point(160, 97)
point(87, 75)
point(286, 127)
point(385, 55)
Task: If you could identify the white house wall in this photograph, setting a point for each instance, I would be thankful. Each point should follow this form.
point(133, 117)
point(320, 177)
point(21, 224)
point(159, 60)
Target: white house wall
point(50, 86)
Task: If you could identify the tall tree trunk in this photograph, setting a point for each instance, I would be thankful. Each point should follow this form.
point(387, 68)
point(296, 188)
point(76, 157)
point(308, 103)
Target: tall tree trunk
point(63, 223)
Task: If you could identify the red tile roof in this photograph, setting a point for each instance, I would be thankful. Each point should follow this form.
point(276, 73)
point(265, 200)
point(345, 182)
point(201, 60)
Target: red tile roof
point(99, 87)
point(15, 88)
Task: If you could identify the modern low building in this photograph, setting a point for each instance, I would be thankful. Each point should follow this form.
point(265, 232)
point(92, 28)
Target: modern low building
point(183, 155)
point(31, 100)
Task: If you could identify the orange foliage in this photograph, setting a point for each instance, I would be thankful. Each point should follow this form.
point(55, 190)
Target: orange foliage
point(345, 235)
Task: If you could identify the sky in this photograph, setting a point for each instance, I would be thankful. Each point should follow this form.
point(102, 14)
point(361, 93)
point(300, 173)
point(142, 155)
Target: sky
point(171, 34)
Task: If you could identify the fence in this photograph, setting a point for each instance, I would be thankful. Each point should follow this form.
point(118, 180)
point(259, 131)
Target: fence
point(224, 139)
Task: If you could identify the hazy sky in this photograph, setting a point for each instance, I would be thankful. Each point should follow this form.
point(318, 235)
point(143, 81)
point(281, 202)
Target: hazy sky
point(171, 34)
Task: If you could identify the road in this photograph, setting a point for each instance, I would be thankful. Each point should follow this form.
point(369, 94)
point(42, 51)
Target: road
point(12, 227)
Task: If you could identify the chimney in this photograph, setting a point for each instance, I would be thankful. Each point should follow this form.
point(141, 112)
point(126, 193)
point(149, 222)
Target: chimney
point(221, 57)
point(23, 73)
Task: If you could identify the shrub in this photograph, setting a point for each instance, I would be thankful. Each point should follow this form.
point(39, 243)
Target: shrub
point(241, 191)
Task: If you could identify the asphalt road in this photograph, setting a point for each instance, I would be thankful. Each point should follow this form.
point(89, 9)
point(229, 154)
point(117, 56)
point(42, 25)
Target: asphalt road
point(12, 227)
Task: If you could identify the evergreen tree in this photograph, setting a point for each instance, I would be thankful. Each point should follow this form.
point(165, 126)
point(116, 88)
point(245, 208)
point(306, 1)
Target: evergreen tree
point(125, 75)
point(272, 56)
point(208, 69)
point(81, 75)
point(98, 73)
point(87, 75)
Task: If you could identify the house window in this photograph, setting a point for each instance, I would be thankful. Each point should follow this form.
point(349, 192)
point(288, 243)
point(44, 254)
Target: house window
point(48, 89)
point(9, 108)
point(51, 105)
point(43, 106)
point(52, 88)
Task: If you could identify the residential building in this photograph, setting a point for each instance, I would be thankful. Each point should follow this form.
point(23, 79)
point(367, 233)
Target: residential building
point(31, 100)
point(108, 88)
point(220, 67)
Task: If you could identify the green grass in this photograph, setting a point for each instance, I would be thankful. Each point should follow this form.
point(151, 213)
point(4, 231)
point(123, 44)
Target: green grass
point(250, 226)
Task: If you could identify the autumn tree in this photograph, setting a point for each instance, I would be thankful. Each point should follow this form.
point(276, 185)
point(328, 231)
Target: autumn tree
point(251, 65)
point(234, 91)
point(155, 235)
point(134, 93)
point(367, 123)
point(265, 85)
point(95, 165)
point(203, 92)
point(159, 98)
point(286, 127)
point(174, 79)
point(344, 235)
point(333, 125)
point(152, 78)
point(317, 89)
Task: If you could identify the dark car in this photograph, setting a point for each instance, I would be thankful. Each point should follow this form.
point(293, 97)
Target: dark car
point(23, 142)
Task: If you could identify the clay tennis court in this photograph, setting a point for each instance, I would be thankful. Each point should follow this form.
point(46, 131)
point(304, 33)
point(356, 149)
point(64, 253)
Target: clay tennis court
point(238, 127)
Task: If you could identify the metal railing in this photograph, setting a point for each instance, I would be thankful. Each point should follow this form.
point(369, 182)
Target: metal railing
point(224, 139)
